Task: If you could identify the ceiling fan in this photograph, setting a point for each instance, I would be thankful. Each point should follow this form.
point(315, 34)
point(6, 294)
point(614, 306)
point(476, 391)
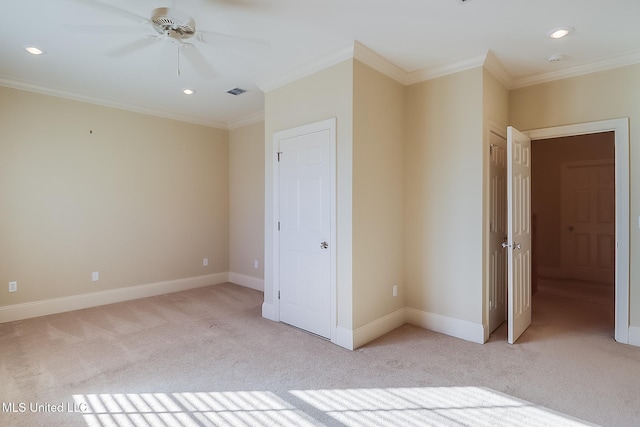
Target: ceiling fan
point(174, 27)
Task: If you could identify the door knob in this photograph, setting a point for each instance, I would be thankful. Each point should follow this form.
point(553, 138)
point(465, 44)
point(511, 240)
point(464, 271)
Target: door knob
point(324, 245)
point(510, 245)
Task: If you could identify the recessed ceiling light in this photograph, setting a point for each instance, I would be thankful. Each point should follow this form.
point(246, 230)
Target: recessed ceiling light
point(188, 91)
point(34, 50)
point(558, 33)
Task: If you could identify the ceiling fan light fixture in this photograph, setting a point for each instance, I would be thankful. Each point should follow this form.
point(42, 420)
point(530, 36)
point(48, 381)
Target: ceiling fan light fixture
point(188, 91)
point(34, 50)
point(558, 33)
point(173, 22)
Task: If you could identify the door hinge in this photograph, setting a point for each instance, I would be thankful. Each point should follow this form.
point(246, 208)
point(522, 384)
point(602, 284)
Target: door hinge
point(278, 294)
point(278, 225)
point(279, 152)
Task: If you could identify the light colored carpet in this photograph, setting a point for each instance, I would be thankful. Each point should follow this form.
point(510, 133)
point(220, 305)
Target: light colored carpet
point(207, 357)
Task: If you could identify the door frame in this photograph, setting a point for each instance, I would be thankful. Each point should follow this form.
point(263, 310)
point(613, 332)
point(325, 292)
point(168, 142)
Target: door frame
point(620, 127)
point(330, 125)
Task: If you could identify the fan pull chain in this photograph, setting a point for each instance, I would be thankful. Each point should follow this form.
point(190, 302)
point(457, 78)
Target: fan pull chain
point(178, 50)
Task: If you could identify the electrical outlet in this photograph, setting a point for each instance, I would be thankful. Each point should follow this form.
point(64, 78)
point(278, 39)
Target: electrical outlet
point(205, 262)
point(255, 263)
point(95, 276)
point(394, 290)
point(13, 286)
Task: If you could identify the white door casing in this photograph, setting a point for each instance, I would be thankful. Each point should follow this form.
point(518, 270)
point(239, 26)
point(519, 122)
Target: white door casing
point(518, 244)
point(304, 261)
point(588, 220)
point(620, 127)
point(497, 230)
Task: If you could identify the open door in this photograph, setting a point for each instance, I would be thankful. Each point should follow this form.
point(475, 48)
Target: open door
point(497, 231)
point(518, 244)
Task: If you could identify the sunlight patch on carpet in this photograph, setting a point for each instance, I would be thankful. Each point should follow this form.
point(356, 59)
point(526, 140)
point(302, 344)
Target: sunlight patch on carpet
point(441, 406)
point(190, 409)
point(418, 406)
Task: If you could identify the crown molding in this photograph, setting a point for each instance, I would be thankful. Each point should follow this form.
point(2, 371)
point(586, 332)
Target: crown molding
point(631, 58)
point(354, 51)
point(363, 54)
point(15, 84)
point(308, 69)
point(248, 120)
point(444, 70)
point(497, 69)
point(379, 63)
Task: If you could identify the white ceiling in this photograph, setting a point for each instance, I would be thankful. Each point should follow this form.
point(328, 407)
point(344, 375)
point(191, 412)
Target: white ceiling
point(422, 38)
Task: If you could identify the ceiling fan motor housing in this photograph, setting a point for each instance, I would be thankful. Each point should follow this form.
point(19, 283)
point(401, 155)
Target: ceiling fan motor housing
point(172, 22)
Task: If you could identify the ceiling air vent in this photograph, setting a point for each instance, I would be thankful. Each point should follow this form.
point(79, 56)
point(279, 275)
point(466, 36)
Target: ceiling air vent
point(236, 91)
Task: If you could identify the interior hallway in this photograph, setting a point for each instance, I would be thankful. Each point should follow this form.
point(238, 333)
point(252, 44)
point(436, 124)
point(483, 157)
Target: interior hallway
point(569, 307)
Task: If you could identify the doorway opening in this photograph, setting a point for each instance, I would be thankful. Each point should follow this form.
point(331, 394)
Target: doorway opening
point(573, 236)
point(618, 247)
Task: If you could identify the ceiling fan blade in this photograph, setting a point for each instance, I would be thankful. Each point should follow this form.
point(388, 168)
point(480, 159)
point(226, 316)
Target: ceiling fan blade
point(195, 58)
point(96, 4)
point(132, 47)
point(247, 47)
point(105, 29)
point(241, 3)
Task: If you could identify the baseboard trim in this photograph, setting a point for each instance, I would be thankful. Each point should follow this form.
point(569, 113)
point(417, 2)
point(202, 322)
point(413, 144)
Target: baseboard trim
point(269, 312)
point(247, 281)
point(458, 328)
point(634, 336)
point(76, 302)
point(343, 338)
point(377, 328)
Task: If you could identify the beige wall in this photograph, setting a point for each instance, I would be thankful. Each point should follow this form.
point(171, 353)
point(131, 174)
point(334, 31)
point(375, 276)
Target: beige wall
point(87, 188)
point(547, 158)
point(378, 155)
point(144, 199)
point(323, 95)
point(598, 96)
point(444, 195)
point(246, 200)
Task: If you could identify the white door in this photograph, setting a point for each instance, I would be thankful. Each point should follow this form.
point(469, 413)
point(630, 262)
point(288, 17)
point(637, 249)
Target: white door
point(518, 244)
point(588, 220)
point(305, 231)
point(497, 231)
